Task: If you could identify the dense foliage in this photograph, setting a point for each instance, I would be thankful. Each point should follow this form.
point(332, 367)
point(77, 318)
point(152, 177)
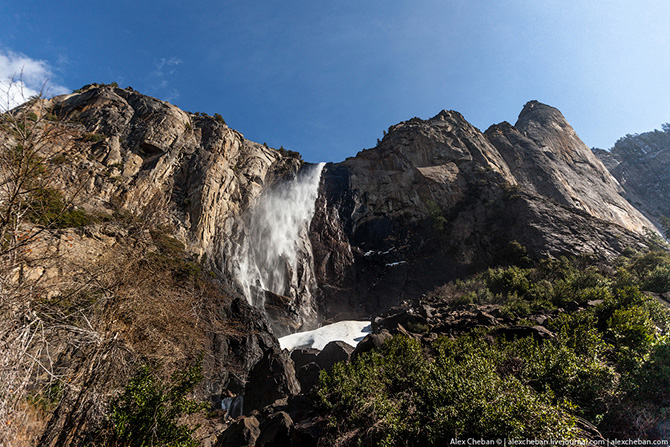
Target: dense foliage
point(608, 367)
point(147, 412)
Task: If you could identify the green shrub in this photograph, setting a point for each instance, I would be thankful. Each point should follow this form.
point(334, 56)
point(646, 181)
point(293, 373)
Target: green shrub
point(653, 380)
point(606, 356)
point(148, 410)
point(657, 279)
point(632, 331)
point(402, 396)
point(92, 137)
point(48, 208)
point(508, 280)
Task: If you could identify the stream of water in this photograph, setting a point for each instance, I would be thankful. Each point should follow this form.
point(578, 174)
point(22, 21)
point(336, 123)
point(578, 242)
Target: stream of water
point(277, 235)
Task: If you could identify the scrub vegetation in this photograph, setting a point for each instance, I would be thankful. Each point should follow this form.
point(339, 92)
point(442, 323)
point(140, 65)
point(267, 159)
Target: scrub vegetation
point(606, 371)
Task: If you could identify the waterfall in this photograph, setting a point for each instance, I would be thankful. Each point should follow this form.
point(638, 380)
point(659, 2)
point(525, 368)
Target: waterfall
point(276, 236)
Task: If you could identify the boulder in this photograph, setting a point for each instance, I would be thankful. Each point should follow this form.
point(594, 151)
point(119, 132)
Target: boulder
point(334, 352)
point(303, 356)
point(272, 378)
point(370, 342)
point(395, 318)
point(308, 376)
point(275, 431)
point(241, 433)
point(306, 433)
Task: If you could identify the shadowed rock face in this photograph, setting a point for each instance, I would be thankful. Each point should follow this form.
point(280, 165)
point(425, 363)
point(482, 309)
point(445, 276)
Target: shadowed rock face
point(437, 199)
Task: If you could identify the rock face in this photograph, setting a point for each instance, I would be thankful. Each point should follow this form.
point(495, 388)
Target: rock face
point(437, 199)
point(149, 156)
point(547, 158)
point(641, 164)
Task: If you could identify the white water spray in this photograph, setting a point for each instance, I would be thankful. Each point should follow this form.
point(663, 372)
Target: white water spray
point(275, 236)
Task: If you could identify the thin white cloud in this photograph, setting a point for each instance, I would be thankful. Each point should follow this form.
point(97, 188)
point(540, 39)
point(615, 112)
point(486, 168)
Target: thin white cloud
point(165, 67)
point(22, 77)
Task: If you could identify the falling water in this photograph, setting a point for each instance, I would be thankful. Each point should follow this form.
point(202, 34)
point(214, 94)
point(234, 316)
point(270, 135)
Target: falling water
point(275, 236)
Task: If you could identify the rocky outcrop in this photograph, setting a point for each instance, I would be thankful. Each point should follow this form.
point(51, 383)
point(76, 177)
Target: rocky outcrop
point(641, 164)
point(189, 171)
point(272, 378)
point(547, 158)
point(242, 433)
point(437, 199)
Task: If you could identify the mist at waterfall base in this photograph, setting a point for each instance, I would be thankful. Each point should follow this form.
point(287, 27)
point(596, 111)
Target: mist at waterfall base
point(276, 236)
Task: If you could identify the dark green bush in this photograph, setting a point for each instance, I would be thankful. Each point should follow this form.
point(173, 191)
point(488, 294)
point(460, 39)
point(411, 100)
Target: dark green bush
point(508, 280)
point(402, 396)
point(148, 410)
point(48, 208)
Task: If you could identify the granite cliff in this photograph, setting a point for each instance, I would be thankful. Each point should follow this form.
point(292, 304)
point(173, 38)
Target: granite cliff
point(437, 199)
point(641, 165)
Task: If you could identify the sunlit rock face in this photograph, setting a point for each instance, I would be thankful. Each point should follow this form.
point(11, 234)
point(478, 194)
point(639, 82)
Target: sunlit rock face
point(438, 199)
point(200, 179)
point(641, 164)
point(547, 158)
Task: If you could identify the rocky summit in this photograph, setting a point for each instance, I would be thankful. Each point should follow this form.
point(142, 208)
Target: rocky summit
point(438, 199)
point(141, 240)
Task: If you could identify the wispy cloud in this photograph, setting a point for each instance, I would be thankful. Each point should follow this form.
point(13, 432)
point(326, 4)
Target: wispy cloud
point(159, 78)
point(22, 77)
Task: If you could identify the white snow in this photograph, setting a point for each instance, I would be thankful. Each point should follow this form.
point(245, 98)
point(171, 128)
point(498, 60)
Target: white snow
point(348, 331)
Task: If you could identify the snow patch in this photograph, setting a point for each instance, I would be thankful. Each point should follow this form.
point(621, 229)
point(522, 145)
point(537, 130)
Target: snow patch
point(348, 331)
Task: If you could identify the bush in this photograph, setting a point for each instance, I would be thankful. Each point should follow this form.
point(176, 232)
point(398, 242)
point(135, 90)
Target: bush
point(92, 137)
point(508, 280)
point(401, 395)
point(147, 412)
point(632, 332)
point(171, 255)
point(48, 208)
point(657, 279)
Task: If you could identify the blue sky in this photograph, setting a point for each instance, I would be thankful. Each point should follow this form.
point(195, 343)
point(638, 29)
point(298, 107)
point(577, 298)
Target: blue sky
point(325, 78)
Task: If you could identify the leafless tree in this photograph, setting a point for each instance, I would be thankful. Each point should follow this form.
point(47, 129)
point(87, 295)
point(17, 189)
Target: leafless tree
point(29, 134)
